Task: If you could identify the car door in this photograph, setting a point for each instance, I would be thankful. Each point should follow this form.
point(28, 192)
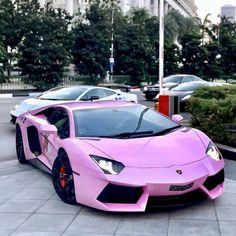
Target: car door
point(51, 143)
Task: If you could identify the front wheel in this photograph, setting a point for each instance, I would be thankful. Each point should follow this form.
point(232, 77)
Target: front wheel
point(62, 178)
point(20, 146)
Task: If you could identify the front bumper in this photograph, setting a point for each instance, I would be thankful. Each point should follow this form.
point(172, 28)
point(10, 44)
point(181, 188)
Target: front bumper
point(136, 189)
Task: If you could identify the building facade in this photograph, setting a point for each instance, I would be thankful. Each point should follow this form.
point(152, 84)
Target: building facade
point(229, 11)
point(185, 7)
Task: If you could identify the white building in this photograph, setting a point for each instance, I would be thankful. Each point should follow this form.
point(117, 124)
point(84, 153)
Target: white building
point(185, 7)
point(229, 11)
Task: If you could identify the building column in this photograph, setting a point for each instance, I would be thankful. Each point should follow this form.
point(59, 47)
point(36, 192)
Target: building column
point(41, 3)
point(156, 7)
point(69, 6)
point(166, 7)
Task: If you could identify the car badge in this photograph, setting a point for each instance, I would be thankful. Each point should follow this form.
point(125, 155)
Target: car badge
point(179, 172)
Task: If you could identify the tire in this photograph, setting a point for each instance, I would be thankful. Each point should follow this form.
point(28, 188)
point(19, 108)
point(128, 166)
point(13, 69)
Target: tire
point(20, 146)
point(62, 179)
point(149, 98)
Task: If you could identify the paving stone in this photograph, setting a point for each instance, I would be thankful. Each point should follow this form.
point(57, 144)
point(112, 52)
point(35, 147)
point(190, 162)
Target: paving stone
point(30, 233)
point(227, 228)
point(85, 234)
point(95, 224)
point(46, 223)
point(230, 186)
point(143, 227)
point(8, 192)
point(179, 227)
point(198, 211)
point(10, 221)
point(44, 181)
point(15, 183)
point(226, 213)
point(5, 232)
point(21, 206)
point(32, 174)
point(35, 193)
point(226, 199)
point(59, 207)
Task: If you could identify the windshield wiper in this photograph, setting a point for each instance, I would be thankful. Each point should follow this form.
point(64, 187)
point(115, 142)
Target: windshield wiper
point(165, 131)
point(129, 134)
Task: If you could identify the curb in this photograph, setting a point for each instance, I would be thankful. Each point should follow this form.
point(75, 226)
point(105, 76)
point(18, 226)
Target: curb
point(227, 151)
point(20, 94)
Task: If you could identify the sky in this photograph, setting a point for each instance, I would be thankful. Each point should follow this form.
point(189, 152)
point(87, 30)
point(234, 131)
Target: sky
point(213, 7)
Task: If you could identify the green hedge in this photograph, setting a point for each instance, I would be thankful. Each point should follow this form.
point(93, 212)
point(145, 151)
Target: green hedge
point(213, 111)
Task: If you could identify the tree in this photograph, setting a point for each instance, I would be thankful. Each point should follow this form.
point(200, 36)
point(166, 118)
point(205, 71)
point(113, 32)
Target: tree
point(192, 54)
point(92, 40)
point(14, 19)
point(43, 55)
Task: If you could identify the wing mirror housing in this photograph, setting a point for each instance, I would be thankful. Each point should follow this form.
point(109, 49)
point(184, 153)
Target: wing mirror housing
point(177, 118)
point(93, 98)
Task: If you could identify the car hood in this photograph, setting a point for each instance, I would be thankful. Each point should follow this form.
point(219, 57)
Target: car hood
point(177, 148)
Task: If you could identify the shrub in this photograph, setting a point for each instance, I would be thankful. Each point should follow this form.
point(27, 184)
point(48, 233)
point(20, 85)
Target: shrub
point(213, 111)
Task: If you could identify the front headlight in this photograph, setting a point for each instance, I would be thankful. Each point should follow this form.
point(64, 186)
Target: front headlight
point(213, 152)
point(145, 88)
point(186, 97)
point(108, 166)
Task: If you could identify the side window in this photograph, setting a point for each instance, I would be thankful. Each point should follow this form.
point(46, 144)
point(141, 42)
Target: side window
point(187, 79)
point(108, 92)
point(94, 93)
point(60, 119)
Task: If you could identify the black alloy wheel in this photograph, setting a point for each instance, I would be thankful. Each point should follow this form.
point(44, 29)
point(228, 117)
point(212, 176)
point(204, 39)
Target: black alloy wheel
point(62, 178)
point(20, 146)
point(149, 97)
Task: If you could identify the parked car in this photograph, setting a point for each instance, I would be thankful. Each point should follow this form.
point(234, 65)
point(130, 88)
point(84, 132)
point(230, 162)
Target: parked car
point(74, 93)
point(185, 90)
point(120, 156)
point(169, 82)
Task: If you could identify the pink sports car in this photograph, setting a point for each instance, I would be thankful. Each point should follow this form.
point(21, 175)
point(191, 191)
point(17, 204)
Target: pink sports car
point(119, 156)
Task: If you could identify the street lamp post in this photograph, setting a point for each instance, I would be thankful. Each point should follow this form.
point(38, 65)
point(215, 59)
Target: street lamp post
point(161, 45)
point(112, 61)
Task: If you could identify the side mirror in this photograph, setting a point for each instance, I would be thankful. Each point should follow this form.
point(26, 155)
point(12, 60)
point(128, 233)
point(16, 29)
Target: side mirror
point(48, 129)
point(93, 98)
point(177, 118)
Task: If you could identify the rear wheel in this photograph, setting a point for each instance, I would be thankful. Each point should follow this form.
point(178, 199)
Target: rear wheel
point(62, 178)
point(20, 146)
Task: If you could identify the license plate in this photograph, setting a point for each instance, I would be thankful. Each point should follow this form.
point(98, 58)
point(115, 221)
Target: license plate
point(180, 187)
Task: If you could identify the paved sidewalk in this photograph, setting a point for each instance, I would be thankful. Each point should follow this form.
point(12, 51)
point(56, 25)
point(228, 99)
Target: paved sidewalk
point(29, 206)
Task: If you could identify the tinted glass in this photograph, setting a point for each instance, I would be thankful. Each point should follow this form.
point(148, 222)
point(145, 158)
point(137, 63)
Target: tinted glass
point(188, 87)
point(173, 79)
point(70, 93)
point(116, 120)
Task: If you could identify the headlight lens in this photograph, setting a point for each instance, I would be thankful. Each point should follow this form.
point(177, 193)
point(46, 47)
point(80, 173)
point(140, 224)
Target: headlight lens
point(186, 97)
point(213, 152)
point(108, 166)
point(145, 88)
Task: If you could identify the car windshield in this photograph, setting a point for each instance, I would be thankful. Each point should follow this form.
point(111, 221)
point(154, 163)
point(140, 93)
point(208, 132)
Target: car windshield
point(188, 87)
point(173, 79)
point(64, 93)
point(121, 122)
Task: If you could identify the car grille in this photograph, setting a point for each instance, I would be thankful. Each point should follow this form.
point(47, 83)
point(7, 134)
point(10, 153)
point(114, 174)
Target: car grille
point(120, 194)
point(212, 181)
point(175, 200)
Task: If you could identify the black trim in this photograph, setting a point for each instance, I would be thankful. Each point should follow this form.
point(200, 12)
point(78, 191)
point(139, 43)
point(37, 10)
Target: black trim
point(213, 181)
point(175, 200)
point(120, 194)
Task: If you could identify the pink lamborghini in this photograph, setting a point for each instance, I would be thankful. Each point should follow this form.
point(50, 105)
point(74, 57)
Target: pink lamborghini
point(119, 156)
